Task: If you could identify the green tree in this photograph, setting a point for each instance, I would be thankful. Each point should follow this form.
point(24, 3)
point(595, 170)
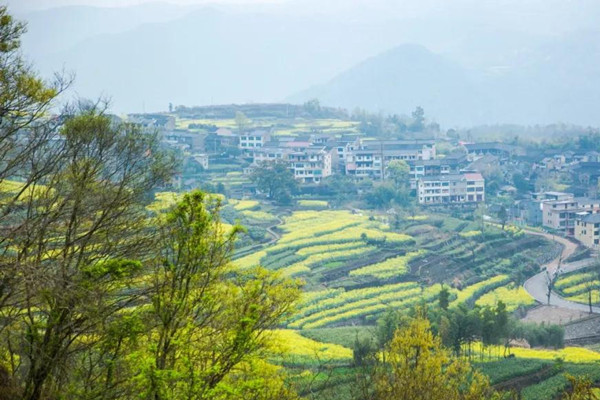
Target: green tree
point(479, 216)
point(72, 247)
point(502, 215)
point(342, 187)
point(580, 388)
point(205, 322)
point(241, 121)
point(418, 120)
point(24, 97)
point(363, 352)
point(501, 319)
point(275, 179)
point(313, 107)
point(551, 279)
point(387, 326)
point(444, 297)
point(381, 196)
point(398, 171)
point(25, 101)
point(489, 334)
point(418, 367)
point(520, 183)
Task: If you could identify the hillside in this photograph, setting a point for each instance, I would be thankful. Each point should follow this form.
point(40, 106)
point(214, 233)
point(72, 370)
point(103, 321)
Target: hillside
point(355, 267)
point(546, 81)
point(196, 59)
point(398, 80)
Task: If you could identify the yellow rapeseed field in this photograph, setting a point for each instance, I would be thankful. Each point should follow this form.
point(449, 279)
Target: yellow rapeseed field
point(512, 296)
point(469, 291)
point(260, 216)
point(323, 257)
point(291, 342)
point(470, 234)
point(388, 268)
point(568, 354)
point(313, 203)
point(242, 205)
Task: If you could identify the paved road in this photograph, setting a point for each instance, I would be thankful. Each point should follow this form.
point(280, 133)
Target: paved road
point(568, 248)
point(536, 285)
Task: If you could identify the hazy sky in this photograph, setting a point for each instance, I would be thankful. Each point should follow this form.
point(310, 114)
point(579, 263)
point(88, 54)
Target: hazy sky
point(28, 5)
point(511, 60)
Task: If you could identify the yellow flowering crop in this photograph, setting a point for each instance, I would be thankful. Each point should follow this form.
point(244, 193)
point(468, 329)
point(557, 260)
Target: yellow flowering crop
point(469, 291)
point(164, 200)
point(470, 234)
point(388, 268)
point(568, 354)
point(574, 279)
point(370, 308)
point(313, 203)
point(322, 300)
point(356, 308)
point(583, 297)
point(291, 342)
point(323, 257)
point(580, 287)
point(251, 260)
point(309, 297)
point(258, 215)
point(353, 302)
point(242, 205)
point(306, 251)
point(512, 296)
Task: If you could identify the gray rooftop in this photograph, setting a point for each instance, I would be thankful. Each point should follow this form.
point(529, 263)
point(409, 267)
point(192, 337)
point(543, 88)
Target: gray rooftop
point(591, 219)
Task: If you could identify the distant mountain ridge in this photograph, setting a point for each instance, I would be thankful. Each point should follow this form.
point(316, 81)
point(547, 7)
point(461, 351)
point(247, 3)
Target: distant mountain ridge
point(464, 68)
point(559, 83)
point(398, 80)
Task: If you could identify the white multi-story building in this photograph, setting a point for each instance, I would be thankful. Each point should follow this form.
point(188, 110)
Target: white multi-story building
point(371, 159)
point(343, 147)
point(267, 153)
point(451, 189)
point(451, 164)
point(311, 165)
point(254, 139)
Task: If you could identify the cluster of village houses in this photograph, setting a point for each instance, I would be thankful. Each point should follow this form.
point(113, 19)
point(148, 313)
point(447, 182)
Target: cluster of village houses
point(453, 179)
point(315, 157)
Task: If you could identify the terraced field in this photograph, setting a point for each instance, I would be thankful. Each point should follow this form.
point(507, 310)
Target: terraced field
point(579, 285)
point(280, 127)
point(534, 373)
point(512, 295)
point(312, 204)
point(356, 267)
point(317, 244)
point(300, 350)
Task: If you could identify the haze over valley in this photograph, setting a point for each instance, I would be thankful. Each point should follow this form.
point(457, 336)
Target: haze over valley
point(466, 62)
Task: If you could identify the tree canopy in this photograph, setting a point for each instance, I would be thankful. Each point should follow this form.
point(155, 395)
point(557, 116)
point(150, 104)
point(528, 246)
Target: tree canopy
point(275, 179)
point(418, 367)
